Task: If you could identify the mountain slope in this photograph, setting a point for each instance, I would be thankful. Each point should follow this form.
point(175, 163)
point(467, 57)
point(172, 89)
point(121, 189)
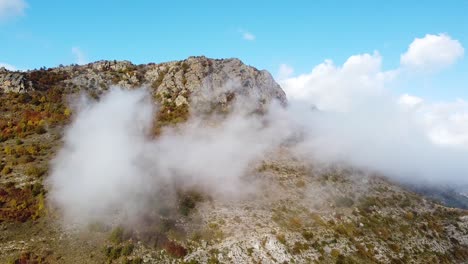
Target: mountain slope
point(292, 210)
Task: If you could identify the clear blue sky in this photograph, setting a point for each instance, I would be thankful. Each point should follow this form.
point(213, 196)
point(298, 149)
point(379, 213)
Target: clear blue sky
point(298, 33)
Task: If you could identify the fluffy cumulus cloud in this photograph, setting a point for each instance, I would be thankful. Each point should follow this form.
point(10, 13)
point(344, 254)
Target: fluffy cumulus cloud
point(432, 52)
point(362, 121)
point(337, 88)
point(12, 8)
point(360, 85)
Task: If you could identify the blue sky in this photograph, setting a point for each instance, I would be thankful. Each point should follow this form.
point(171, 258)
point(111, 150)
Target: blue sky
point(265, 34)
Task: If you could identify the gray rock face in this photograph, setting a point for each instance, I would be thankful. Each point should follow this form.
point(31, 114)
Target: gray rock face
point(14, 81)
point(194, 80)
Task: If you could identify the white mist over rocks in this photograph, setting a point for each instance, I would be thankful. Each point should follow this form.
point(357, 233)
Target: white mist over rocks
point(98, 169)
point(111, 165)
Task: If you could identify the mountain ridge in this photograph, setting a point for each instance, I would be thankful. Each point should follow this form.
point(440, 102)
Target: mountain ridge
point(299, 213)
point(183, 76)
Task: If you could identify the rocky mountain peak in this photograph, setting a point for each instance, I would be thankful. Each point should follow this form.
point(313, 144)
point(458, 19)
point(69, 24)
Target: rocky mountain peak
point(194, 77)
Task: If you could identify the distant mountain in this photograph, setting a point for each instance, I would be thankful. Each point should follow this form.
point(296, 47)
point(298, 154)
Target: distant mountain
point(445, 195)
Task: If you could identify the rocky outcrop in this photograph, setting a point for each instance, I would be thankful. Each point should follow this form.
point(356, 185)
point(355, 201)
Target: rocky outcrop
point(196, 79)
point(14, 81)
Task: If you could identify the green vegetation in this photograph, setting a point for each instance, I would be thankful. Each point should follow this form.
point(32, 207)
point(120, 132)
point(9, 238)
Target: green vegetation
point(127, 249)
point(344, 202)
point(28, 114)
point(281, 238)
point(308, 235)
point(21, 204)
point(45, 79)
point(35, 171)
point(116, 235)
point(115, 252)
point(171, 114)
point(137, 260)
point(188, 200)
point(299, 247)
point(155, 85)
point(6, 170)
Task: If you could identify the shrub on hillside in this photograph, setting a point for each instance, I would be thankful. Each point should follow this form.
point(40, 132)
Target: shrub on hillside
point(175, 249)
point(35, 171)
point(117, 235)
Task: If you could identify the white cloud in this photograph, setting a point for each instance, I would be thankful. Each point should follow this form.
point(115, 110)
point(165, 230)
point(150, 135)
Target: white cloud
point(361, 122)
point(447, 122)
point(12, 8)
point(247, 35)
point(285, 71)
point(8, 66)
point(80, 56)
point(409, 100)
point(337, 88)
point(360, 86)
point(433, 52)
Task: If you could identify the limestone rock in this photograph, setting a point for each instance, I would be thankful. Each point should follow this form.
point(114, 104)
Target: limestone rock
point(14, 82)
point(196, 80)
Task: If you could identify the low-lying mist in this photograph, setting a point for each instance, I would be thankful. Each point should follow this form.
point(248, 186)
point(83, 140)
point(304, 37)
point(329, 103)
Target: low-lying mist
point(384, 138)
point(112, 165)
